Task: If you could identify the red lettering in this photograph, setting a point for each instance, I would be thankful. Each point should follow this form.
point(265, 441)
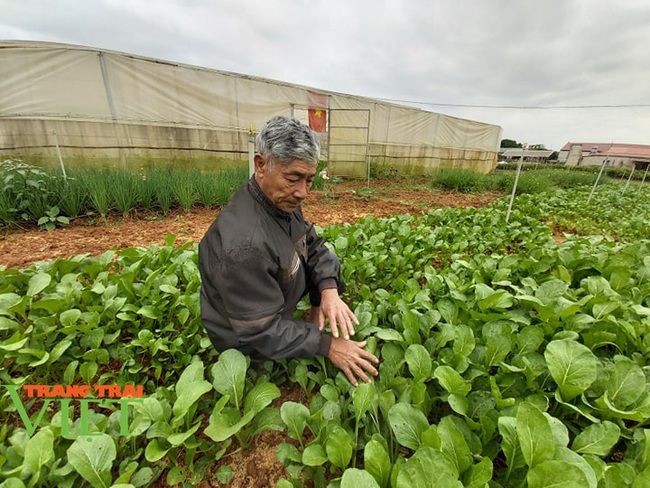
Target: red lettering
point(30, 389)
point(132, 391)
point(112, 391)
point(42, 390)
point(60, 391)
point(77, 391)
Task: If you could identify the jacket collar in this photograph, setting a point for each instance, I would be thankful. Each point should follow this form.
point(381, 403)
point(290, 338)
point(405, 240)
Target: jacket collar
point(264, 201)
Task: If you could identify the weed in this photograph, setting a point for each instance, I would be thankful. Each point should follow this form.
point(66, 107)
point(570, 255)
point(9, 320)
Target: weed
point(364, 192)
point(52, 219)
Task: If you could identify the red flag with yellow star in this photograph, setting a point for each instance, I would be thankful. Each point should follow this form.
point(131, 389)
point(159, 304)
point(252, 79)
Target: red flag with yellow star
point(318, 119)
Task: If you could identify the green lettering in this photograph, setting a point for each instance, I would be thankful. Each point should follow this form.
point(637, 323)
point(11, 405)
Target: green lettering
point(65, 419)
point(29, 427)
point(124, 412)
point(85, 415)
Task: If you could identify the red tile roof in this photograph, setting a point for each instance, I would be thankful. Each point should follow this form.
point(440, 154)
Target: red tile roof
point(613, 149)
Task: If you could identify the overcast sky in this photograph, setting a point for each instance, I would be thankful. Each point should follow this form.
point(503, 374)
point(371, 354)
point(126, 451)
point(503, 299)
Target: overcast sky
point(490, 53)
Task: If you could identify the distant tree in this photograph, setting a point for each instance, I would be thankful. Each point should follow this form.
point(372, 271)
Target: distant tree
point(510, 143)
point(538, 147)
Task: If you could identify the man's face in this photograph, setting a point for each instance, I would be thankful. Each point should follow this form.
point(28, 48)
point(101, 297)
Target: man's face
point(286, 185)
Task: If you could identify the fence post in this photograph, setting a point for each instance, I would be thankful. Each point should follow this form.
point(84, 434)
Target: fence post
point(644, 175)
point(514, 187)
point(58, 153)
point(628, 181)
point(605, 161)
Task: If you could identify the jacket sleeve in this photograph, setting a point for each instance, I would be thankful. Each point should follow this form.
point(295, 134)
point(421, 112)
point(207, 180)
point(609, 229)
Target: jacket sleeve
point(322, 264)
point(254, 304)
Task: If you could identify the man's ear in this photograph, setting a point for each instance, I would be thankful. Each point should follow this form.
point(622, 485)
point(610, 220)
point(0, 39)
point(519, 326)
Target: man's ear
point(261, 164)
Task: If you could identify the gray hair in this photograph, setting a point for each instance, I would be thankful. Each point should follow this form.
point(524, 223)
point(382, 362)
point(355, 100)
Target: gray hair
point(286, 139)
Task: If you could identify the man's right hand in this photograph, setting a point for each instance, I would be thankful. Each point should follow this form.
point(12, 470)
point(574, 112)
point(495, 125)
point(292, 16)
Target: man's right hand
point(350, 357)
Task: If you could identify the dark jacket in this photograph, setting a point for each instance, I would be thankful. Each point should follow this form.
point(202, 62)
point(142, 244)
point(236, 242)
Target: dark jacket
point(256, 263)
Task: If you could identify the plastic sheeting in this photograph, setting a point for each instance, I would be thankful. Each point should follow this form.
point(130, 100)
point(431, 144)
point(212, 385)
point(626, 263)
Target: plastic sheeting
point(105, 104)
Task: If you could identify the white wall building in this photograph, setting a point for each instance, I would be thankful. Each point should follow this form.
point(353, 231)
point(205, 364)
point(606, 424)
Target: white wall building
point(630, 156)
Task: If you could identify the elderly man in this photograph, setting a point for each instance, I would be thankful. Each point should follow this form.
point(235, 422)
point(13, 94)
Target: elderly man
point(260, 258)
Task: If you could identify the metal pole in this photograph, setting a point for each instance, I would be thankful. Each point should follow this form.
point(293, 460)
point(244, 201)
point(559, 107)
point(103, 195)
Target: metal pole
point(628, 181)
point(251, 151)
point(644, 175)
point(597, 179)
point(368, 150)
point(58, 152)
point(329, 132)
point(514, 187)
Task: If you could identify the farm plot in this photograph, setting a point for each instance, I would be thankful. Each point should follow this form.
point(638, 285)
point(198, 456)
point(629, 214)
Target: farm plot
point(507, 359)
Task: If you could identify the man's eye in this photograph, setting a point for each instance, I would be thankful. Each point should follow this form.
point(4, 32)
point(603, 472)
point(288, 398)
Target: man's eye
point(292, 181)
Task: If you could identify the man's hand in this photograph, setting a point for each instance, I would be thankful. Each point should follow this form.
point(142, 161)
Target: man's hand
point(352, 359)
point(338, 314)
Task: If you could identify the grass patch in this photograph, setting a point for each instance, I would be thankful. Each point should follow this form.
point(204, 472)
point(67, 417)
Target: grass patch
point(184, 188)
point(72, 193)
point(461, 180)
point(99, 184)
point(528, 183)
point(613, 173)
point(124, 190)
point(569, 179)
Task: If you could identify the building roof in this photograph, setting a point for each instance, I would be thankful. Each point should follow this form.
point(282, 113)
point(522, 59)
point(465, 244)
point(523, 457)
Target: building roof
point(612, 149)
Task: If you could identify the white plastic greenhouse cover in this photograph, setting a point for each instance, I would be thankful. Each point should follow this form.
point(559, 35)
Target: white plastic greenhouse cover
point(106, 104)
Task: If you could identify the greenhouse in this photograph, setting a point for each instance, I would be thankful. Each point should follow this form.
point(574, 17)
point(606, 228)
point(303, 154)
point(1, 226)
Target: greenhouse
point(77, 104)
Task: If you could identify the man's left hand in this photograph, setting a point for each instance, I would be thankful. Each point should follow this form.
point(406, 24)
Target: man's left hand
point(341, 318)
point(351, 358)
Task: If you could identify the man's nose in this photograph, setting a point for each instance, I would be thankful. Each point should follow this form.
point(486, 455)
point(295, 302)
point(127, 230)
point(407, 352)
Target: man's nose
point(301, 189)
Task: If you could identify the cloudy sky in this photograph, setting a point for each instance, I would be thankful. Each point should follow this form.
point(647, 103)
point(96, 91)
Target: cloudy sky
point(548, 72)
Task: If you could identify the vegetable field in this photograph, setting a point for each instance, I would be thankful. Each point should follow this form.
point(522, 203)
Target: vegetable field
point(512, 354)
